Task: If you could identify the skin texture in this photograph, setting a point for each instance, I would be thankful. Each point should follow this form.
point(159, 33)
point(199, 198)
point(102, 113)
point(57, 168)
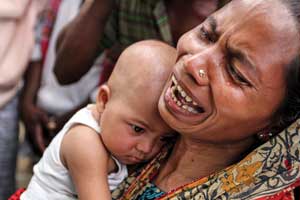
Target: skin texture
point(131, 127)
point(243, 86)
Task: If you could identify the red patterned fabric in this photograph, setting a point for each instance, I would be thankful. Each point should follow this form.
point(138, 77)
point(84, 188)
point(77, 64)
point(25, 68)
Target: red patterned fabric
point(47, 22)
point(286, 194)
point(17, 194)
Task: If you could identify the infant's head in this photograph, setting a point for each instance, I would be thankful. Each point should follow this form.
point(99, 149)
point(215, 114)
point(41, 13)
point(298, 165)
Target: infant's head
point(132, 129)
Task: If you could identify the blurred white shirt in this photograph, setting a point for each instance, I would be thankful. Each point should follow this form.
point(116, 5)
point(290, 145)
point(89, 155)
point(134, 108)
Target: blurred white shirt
point(17, 20)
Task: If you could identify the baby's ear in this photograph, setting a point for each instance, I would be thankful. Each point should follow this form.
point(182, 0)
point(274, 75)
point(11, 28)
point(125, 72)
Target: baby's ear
point(103, 97)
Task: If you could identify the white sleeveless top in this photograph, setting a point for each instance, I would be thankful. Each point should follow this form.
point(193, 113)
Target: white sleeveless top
point(51, 179)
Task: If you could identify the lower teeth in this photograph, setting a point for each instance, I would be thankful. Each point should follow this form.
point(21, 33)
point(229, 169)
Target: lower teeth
point(183, 106)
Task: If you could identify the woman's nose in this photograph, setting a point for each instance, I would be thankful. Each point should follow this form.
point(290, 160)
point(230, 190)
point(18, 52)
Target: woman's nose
point(196, 66)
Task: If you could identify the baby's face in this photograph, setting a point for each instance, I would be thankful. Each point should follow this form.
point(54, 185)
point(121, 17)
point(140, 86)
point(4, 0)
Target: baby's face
point(132, 129)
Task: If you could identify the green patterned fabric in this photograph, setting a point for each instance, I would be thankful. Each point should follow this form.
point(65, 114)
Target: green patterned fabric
point(271, 169)
point(135, 20)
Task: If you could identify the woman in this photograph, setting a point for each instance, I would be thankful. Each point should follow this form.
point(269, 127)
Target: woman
point(234, 86)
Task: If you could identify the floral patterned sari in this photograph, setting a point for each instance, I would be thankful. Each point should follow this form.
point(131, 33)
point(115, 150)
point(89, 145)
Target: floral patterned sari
point(271, 171)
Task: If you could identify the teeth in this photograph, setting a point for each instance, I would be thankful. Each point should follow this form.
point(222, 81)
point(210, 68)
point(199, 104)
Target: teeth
point(178, 103)
point(188, 99)
point(179, 88)
point(183, 94)
point(174, 80)
point(173, 89)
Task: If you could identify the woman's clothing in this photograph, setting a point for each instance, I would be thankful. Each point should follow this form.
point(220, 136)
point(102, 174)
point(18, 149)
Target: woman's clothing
point(51, 179)
point(271, 171)
point(151, 192)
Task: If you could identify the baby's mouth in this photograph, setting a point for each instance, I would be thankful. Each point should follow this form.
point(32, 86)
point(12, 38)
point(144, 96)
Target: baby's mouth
point(183, 100)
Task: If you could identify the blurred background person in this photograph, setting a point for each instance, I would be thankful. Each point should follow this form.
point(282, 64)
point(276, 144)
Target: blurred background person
point(111, 26)
point(49, 103)
point(17, 20)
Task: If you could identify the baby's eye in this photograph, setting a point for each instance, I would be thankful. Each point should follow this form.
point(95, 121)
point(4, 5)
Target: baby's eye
point(137, 129)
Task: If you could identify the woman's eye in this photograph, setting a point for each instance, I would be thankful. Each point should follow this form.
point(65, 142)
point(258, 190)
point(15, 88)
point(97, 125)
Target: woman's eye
point(205, 35)
point(236, 75)
point(137, 129)
point(167, 138)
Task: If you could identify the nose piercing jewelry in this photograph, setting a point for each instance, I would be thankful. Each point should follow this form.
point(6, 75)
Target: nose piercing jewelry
point(202, 73)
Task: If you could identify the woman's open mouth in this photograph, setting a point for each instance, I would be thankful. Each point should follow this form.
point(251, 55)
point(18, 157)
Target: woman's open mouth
point(178, 99)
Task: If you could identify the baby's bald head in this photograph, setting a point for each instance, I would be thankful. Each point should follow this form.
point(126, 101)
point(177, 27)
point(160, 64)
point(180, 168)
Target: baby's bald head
point(128, 103)
point(142, 68)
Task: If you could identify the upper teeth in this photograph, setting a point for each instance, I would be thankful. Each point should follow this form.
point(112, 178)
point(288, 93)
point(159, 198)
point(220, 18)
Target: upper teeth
point(184, 95)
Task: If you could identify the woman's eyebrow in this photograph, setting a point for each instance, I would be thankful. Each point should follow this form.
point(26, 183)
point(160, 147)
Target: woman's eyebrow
point(213, 24)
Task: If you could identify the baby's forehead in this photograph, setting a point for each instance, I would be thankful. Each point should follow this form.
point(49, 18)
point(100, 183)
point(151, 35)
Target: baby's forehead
point(146, 54)
point(143, 69)
point(142, 108)
point(144, 64)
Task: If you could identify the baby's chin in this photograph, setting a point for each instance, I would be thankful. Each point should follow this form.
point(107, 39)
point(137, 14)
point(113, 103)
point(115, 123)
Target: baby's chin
point(131, 160)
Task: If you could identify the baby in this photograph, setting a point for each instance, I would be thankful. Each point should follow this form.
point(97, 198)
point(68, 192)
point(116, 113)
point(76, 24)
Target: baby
point(88, 157)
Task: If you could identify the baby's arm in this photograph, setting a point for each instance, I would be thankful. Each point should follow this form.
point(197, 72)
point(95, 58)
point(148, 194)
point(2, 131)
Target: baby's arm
point(86, 158)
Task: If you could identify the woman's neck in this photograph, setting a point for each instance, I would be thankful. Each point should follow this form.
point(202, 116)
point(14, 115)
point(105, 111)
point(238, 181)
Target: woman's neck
point(191, 160)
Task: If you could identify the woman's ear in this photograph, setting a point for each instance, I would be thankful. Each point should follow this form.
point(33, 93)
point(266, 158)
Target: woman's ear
point(103, 97)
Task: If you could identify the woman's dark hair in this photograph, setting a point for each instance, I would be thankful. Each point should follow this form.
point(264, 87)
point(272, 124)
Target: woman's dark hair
point(289, 110)
point(222, 3)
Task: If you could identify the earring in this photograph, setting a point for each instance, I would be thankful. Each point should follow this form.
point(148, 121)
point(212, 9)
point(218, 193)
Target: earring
point(202, 73)
point(264, 136)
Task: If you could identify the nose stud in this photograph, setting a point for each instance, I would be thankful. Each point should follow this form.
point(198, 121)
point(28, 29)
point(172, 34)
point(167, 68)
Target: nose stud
point(202, 73)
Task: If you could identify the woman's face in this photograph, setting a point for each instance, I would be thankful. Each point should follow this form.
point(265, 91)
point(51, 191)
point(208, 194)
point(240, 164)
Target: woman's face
point(243, 51)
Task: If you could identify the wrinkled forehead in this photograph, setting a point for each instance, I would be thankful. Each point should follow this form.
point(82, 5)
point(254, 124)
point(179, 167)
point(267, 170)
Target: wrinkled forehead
point(260, 25)
point(257, 14)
